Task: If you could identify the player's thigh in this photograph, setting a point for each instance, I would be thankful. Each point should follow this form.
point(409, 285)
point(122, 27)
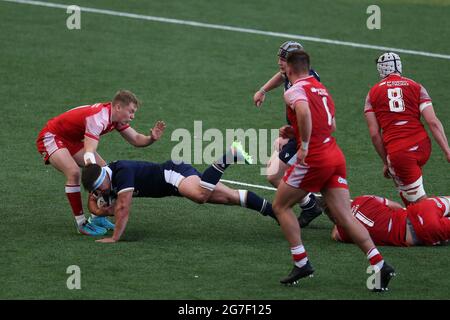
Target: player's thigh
point(190, 188)
point(276, 169)
point(405, 167)
point(63, 161)
point(430, 225)
point(224, 195)
point(279, 143)
point(338, 203)
point(424, 152)
point(287, 196)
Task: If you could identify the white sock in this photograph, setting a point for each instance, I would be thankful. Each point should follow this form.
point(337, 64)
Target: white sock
point(80, 220)
point(243, 198)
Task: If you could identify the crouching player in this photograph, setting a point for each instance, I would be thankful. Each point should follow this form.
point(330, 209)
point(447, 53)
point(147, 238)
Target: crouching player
point(70, 141)
point(125, 179)
point(424, 223)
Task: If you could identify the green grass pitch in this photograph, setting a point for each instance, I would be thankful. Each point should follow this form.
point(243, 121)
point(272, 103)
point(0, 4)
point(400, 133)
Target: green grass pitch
point(173, 248)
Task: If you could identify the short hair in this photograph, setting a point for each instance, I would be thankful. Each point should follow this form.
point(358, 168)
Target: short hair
point(125, 97)
point(299, 61)
point(89, 175)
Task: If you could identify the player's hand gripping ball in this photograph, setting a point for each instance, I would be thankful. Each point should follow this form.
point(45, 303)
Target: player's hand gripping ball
point(104, 202)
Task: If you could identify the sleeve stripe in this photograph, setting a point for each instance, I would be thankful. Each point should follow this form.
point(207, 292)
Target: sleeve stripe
point(425, 105)
point(297, 100)
point(123, 128)
point(126, 190)
point(87, 134)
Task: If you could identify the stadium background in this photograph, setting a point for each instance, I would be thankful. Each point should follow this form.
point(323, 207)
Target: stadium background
point(175, 249)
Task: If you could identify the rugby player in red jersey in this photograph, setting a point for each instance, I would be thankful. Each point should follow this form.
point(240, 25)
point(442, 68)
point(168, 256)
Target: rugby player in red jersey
point(69, 141)
point(393, 110)
point(285, 149)
point(426, 222)
point(320, 167)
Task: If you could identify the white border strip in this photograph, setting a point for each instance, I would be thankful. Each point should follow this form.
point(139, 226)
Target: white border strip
point(235, 29)
point(249, 185)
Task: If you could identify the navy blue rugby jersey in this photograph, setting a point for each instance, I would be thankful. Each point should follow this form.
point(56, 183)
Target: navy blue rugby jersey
point(146, 179)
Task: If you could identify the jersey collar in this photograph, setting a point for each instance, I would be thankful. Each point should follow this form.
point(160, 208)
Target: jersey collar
point(304, 78)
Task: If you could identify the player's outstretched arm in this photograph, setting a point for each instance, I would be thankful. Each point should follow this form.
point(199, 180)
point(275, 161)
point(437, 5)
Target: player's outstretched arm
point(437, 130)
point(121, 213)
point(274, 82)
point(140, 140)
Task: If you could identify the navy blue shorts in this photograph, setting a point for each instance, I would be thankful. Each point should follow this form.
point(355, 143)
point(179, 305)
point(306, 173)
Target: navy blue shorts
point(171, 172)
point(185, 169)
point(288, 151)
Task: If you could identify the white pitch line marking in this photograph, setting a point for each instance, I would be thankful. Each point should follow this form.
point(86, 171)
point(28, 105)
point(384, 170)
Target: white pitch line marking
point(235, 29)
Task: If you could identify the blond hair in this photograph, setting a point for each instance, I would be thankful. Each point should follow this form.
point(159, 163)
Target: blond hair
point(125, 97)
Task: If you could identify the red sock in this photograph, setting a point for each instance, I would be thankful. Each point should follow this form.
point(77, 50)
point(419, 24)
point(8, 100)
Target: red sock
point(74, 196)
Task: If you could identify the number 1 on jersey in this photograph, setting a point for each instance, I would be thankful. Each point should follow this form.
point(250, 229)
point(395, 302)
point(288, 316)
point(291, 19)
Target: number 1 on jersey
point(325, 104)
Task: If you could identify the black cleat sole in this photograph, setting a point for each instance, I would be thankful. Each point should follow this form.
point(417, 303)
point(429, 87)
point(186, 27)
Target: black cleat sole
point(298, 273)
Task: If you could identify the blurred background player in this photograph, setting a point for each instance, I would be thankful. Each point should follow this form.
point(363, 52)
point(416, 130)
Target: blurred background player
point(426, 222)
point(124, 179)
point(393, 109)
point(320, 167)
point(285, 149)
point(70, 141)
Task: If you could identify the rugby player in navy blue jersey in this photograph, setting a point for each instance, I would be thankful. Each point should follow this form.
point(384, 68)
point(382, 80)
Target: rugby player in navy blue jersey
point(285, 153)
point(122, 180)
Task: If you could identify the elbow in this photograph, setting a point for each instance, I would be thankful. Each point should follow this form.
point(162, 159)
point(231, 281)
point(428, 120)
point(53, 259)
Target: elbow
point(375, 136)
point(135, 143)
point(434, 124)
point(121, 211)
